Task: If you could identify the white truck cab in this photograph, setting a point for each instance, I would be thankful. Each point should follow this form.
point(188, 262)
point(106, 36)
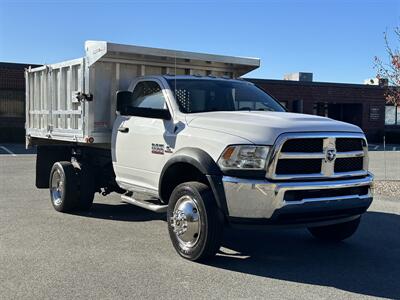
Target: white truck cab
point(208, 150)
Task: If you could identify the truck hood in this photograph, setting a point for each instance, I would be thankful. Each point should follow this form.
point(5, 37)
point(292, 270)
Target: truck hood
point(261, 127)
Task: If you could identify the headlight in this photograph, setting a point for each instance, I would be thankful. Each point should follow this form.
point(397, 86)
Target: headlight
point(244, 157)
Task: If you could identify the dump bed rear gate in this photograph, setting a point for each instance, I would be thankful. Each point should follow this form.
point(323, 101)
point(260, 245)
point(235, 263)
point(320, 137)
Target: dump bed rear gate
point(52, 108)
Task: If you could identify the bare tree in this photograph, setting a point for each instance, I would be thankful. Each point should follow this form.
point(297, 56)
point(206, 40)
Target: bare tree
point(391, 69)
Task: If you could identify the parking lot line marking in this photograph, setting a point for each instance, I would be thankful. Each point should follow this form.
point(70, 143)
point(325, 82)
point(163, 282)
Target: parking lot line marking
point(8, 151)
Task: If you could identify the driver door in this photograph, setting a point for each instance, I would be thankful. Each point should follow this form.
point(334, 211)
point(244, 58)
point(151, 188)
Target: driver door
point(140, 144)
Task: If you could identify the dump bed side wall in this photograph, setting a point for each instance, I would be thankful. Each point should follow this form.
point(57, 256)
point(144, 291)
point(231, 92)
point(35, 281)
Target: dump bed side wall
point(105, 79)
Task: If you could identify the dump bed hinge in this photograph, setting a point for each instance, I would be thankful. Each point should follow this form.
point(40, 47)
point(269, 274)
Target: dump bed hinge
point(83, 97)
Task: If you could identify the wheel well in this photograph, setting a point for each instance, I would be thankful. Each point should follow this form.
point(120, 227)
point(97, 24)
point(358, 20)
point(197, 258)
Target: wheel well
point(45, 158)
point(176, 174)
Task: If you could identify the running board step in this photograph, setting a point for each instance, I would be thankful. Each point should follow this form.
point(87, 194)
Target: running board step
point(144, 204)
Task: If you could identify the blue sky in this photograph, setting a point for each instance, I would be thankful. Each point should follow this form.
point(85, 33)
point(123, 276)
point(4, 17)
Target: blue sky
point(336, 40)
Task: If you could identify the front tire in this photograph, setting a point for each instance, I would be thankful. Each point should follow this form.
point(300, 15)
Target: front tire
point(336, 232)
point(63, 185)
point(194, 221)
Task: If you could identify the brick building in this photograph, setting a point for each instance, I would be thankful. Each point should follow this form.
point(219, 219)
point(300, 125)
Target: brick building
point(360, 104)
point(12, 102)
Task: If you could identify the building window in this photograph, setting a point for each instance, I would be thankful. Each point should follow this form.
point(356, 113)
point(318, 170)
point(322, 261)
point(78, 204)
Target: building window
point(392, 115)
point(284, 103)
point(12, 103)
point(398, 115)
point(320, 109)
point(374, 113)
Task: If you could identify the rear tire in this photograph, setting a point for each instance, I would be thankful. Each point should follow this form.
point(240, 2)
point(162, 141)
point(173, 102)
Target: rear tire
point(63, 185)
point(46, 157)
point(336, 232)
point(87, 187)
point(194, 221)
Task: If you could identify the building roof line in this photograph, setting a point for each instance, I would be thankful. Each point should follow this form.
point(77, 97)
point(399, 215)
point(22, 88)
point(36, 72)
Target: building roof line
point(313, 83)
point(14, 64)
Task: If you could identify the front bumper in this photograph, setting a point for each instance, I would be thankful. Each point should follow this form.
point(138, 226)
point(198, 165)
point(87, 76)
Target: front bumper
point(251, 200)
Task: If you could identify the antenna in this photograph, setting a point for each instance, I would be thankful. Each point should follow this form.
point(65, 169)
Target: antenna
point(175, 73)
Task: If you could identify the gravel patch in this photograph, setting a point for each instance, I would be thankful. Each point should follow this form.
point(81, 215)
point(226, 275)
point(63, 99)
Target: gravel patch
point(387, 188)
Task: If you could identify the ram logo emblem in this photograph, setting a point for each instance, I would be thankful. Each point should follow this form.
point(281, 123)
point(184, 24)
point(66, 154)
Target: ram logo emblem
point(330, 155)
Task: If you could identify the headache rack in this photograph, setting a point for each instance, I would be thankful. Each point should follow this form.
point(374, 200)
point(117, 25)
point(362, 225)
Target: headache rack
point(318, 156)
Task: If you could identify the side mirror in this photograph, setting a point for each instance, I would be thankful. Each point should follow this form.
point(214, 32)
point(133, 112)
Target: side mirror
point(124, 99)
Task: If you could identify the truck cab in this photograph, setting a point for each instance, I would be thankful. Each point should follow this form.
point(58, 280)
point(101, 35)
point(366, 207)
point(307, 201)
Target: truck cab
point(208, 150)
point(262, 164)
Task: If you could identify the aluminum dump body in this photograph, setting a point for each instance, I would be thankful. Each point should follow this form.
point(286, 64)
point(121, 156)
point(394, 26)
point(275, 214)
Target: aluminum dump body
point(75, 100)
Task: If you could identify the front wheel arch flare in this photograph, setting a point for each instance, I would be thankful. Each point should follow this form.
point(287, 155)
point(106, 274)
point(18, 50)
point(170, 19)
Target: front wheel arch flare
point(196, 157)
point(204, 165)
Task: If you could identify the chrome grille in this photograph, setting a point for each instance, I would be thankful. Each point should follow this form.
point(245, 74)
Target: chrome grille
point(318, 155)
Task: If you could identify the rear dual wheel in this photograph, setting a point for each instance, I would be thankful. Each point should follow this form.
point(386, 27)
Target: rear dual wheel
point(63, 186)
point(87, 187)
point(71, 188)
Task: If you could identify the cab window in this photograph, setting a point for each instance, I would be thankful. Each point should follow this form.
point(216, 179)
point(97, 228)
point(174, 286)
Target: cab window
point(148, 94)
point(205, 95)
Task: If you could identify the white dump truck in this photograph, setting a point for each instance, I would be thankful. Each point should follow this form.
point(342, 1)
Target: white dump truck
point(180, 132)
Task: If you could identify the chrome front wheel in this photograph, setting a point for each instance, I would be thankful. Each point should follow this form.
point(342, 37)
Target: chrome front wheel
point(186, 222)
point(195, 223)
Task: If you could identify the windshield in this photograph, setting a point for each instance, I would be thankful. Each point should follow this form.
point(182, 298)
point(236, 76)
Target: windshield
point(198, 95)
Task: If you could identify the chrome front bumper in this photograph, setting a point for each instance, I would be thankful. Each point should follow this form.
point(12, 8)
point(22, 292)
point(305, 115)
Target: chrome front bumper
point(261, 199)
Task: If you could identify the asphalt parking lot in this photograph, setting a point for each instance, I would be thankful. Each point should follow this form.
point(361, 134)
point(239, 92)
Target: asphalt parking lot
point(121, 251)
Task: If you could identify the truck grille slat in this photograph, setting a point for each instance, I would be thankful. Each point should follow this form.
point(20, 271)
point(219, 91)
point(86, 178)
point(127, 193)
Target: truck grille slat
point(348, 164)
point(299, 195)
point(298, 166)
point(303, 145)
point(347, 144)
point(318, 156)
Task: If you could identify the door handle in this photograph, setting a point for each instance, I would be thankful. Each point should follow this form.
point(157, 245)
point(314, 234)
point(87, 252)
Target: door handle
point(123, 129)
